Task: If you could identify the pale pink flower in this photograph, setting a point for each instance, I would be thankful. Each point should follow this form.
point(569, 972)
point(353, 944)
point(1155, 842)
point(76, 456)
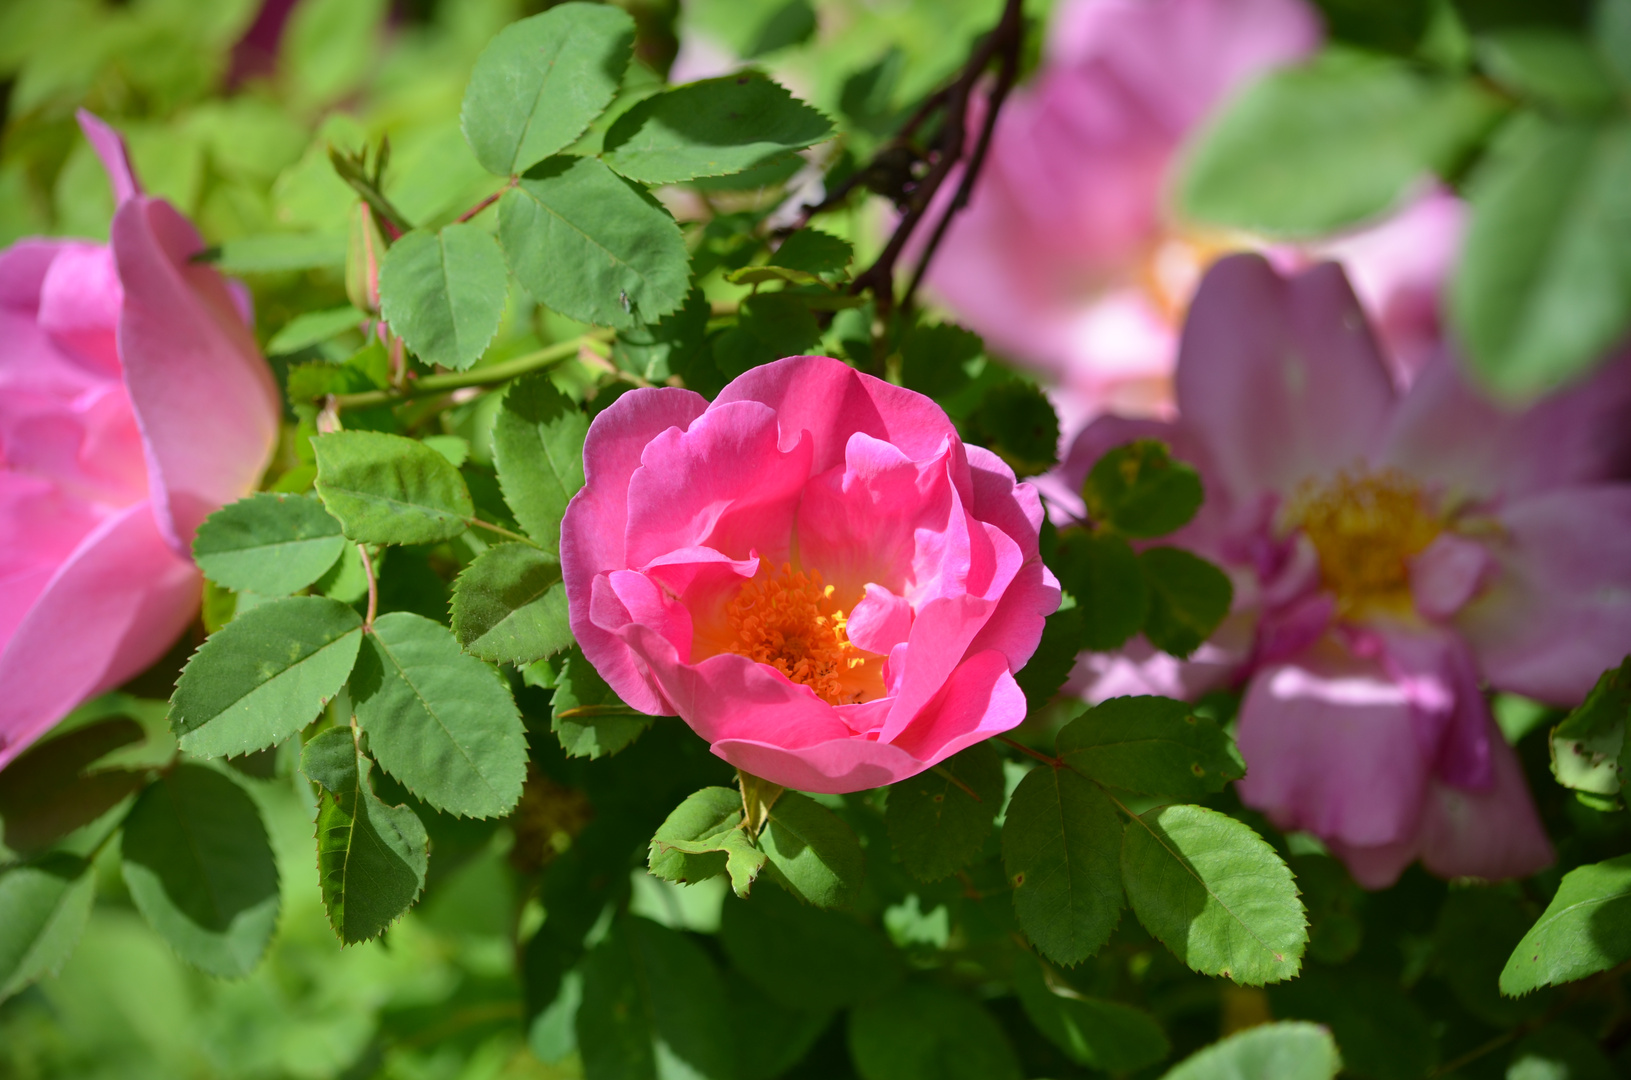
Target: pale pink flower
point(1392, 555)
point(813, 572)
point(133, 403)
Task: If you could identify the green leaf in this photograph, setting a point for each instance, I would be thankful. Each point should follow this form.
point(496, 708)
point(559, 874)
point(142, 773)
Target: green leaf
point(443, 293)
point(1151, 745)
point(509, 606)
point(804, 957)
point(1102, 573)
point(440, 721)
point(1589, 748)
point(1307, 150)
point(933, 358)
point(1188, 599)
point(1544, 285)
point(1101, 1034)
point(312, 328)
point(264, 675)
point(677, 344)
point(815, 252)
point(386, 489)
point(588, 718)
point(44, 906)
point(1291, 1050)
point(710, 128)
point(46, 793)
point(1139, 490)
point(1382, 1033)
point(703, 838)
point(924, 1031)
point(1215, 893)
point(811, 852)
point(1558, 1052)
point(268, 544)
point(199, 867)
point(592, 246)
point(1060, 841)
point(1611, 33)
point(281, 252)
point(936, 825)
point(371, 858)
point(770, 326)
point(538, 451)
point(1585, 929)
point(1550, 66)
point(1055, 656)
point(1016, 421)
point(654, 1008)
point(540, 82)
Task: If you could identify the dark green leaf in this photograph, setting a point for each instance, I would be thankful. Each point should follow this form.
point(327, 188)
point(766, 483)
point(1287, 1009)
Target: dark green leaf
point(814, 252)
point(199, 866)
point(264, 675)
point(1101, 1034)
point(1474, 937)
point(1215, 893)
point(811, 852)
point(802, 956)
point(933, 358)
point(593, 246)
point(1103, 574)
point(45, 794)
point(272, 545)
point(1549, 66)
point(538, 451)
point(1544, 285)
point(1291, 1050)
point(703, 838)
point(1139, 490)
point(509, 606)
point(1585, 929)
point(793, 23)
point(1611, 33)
point(43, 909)
point(1559, 1052)
point(936, 825)
point(440, 721)
point(677, 344)
point(1590, 752)
point(924, 1031)
point(541, 81)
point(1055, 656)
point(710, 128)
point(588, 719)
point(371, 858)
point(1188, 599)
point(1311, 149)
point(770, 326)
point(1017, 422)
point(1060, 842)
point(769, 1038)
point(444, 293)
point(386, 489)
point(1382, 1033)
point(1151, 745)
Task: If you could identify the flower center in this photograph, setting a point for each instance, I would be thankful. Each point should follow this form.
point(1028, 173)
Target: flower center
point(790, 621)
point(1366, 527)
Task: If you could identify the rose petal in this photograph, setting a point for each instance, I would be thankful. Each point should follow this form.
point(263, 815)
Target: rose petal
point(1448, 574)
point(110, 147)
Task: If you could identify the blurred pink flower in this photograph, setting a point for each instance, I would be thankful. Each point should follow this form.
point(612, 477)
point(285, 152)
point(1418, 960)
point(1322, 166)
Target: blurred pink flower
point(813, 572)
point(1069, 258)
point(133, 403)
point(1391, 553)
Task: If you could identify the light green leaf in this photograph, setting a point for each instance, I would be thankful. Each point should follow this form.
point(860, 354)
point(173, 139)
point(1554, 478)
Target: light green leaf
point(43, 909)
point(199, 866)
point(588, 718)
point(279, 253)
point(1101, 1034)
point(1151, 745)
point(538, 452)
point(509, 606)
point(444, 293)
point(1291, 1050)
point(1585, 929)
point(1060, 841)
point(804, 957)
point(269, 544)
point(1188, 599)
point(703, 838)
point(440, 721)
point(1590, 752)
point(924, 1031)
point(1139, 490)
point(936, 826)
point(592, 246)
point(1102, 573)
point(1215, 893)
point(264, 675)
point(313, 328)
point(386, 489)
point(811, 852)
point(710, 128)
point(371, 857)
point(541, 81)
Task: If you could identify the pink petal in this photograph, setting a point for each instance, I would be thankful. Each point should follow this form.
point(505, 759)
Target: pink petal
point(1494, 833)
point(110, 147)
point(40, 526)
point(80, 299)
point(1453, 723)
point(204, 398)
point(979, 700)
point(1559, 612)
point(833, 767)
point(880, 621)
point(112, 609)
point(1448, 574)
point(1280, 377)
point(1015, 627)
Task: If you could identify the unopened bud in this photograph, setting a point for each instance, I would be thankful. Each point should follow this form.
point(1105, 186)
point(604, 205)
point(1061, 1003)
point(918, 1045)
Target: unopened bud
point(365, 250)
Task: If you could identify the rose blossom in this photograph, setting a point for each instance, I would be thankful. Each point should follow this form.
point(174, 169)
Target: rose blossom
point(1391, 553)
point(1069, 258)
point(133, 403)
point(813, 572)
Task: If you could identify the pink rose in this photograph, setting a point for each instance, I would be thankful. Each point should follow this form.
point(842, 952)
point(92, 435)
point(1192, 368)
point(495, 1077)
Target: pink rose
point(813, 571)
point(133, 403)
point(1392, 554)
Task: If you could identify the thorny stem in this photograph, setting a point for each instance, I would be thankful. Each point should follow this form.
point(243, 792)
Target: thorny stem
point(546, 357)
point(373, 587)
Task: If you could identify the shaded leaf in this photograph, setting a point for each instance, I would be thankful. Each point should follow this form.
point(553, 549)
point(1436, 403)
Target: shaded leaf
point(1590, 752)
point(1060, 842)
point(1291, 1050)
point(804, 957)
point(509, 606)
point(1102, 573)
point(45, 794)
point(268, 544)
point(936, 826)
point(1139, 490)
point(923, 1031)
point(1585, 929)
point(1188, 599)
point(811, 852)
point(538, 452)
point(1048, 668)
point(1151, 745)
point(43, 909)
point(386, 489)
point(587, 717)
point(1101, 1034)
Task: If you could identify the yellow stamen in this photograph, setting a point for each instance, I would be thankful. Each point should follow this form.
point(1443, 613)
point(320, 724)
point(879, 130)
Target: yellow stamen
point(1366, 527)
point(791, 622)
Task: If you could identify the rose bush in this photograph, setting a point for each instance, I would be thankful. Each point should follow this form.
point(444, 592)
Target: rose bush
point(133, 403)
point(813, 571)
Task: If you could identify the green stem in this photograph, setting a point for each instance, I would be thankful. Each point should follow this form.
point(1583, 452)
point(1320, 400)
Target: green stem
point(507, 534)
point(546, 357)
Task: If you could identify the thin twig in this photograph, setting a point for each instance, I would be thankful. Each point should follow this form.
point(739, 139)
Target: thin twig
point(546, 357)
point(1039, 755)
point(373, 587)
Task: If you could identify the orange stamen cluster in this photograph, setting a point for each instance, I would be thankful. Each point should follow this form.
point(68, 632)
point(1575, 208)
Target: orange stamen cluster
point(1366, 527)
point(790, 621)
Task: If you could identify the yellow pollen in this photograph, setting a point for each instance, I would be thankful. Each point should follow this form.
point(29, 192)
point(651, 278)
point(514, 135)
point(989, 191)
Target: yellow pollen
point(1366, 527)
point(791, 622)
